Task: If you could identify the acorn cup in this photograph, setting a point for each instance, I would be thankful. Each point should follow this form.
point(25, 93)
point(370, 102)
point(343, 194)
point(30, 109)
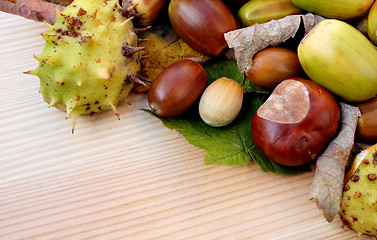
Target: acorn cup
point(341, 59)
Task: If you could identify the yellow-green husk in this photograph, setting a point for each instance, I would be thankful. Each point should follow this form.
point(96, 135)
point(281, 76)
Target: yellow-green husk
point(340, 58)
point(372, 23)
point(262, 11)
point(337, 9)
point(358, 208)
point(83, 69)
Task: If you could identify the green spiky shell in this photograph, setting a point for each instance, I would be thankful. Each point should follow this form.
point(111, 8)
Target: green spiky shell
point(358, 209)
point(82, 68)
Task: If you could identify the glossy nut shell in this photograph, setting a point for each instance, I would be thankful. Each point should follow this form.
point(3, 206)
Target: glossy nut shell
point(296, 122)
point(202, 24)
point(177, 88)
point(273, 65)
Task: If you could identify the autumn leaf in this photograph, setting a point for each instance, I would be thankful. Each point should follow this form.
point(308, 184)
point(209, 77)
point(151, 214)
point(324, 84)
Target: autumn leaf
point(327, 185)
point(161, 54)
point(248, 41)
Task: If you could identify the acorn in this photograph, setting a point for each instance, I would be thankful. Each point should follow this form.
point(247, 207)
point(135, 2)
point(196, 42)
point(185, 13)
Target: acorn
point(262, 11)
point(177, 88)
point(273, 65)
point(367, 123)
point(147, 10)
point(342, 10)
point(372, 23)
point(341, 59)
point(202, 24)
point(221, 102)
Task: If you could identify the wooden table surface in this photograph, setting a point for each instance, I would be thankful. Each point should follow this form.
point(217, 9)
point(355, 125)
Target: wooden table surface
point(130, 178)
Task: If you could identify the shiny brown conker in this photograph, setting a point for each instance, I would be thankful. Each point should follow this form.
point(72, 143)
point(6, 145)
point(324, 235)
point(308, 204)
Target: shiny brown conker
point(177, 88)
point(202, 24)
point(296, 122)
point(273, 65)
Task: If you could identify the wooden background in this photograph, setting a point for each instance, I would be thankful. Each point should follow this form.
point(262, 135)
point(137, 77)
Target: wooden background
point(127, 179)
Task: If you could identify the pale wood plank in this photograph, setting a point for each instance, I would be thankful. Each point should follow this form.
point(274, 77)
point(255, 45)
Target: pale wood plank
point(127, 179)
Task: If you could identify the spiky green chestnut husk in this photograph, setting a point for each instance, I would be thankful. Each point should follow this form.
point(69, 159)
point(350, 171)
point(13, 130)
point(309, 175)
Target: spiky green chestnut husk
point(358, 208)
point(89, 57)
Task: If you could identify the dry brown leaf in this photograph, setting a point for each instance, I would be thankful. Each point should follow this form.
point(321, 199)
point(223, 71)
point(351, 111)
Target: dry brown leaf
point(248, 41)
point(327, 185)
point(162, 54)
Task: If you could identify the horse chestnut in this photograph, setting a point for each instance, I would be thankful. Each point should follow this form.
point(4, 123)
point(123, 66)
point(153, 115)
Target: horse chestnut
point(177, 88)
point(202, 24)
point(296, 122)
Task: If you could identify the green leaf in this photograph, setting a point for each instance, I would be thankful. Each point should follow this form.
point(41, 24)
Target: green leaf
point(231, 145)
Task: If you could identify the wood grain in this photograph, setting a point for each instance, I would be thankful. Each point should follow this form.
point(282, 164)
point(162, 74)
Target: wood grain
point(130, 178)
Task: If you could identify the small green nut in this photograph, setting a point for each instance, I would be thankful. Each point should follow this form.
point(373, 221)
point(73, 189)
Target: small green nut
point(372, 23)
point(262, 11)
point(337, 9)
point(341, 59)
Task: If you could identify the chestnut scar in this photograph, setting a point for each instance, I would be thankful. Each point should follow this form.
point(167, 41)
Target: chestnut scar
point(288, 103)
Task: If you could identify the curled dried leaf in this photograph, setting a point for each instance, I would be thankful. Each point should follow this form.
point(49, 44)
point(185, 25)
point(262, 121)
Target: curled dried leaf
point(248, 41)
point(327, 185)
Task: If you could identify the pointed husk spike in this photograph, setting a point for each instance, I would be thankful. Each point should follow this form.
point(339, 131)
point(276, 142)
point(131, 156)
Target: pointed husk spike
point(32, 72)
point(128, 51)
point(74, 117)
point(39, 58)
point(48, 37)
point(112, 106)
point(59, 15)
point(144, 79)
point(70, 106)
point(141, 30)
point(136, 80)
point(49, 26)
point(127, 21)
point(132, 7)
point(52, 102)
point(128, 10)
